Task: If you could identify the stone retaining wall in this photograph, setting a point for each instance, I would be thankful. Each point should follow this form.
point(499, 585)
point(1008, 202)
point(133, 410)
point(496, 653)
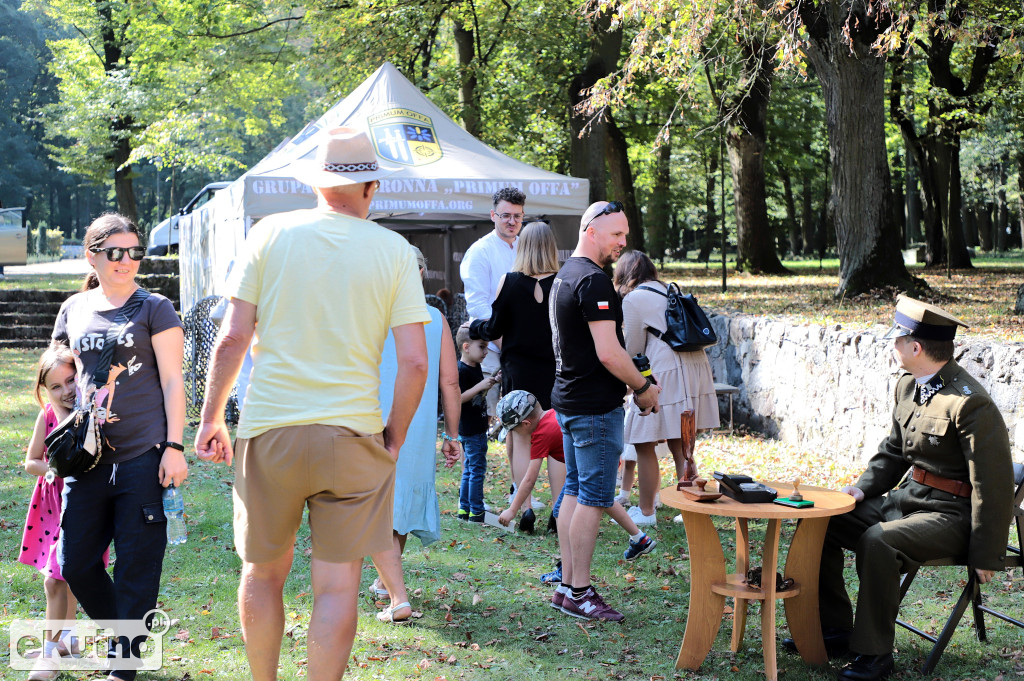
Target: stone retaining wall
point(831, 389)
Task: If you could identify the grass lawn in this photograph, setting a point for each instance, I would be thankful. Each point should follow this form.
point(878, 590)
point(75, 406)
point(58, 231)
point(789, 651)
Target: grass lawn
point(484, 612)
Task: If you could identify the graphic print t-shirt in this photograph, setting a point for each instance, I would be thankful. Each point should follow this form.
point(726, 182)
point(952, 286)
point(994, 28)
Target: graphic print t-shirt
point(131, 404)
point(583, 293)
point(474, 413)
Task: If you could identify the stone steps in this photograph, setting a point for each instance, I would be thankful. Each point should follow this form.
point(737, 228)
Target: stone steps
point(27, 315)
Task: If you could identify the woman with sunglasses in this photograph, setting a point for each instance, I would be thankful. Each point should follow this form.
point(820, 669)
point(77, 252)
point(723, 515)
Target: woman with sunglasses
point(142, 408)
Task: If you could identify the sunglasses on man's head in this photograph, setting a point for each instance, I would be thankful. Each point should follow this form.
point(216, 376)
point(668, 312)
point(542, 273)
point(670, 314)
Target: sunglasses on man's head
point(612, 207)
point(115, 253)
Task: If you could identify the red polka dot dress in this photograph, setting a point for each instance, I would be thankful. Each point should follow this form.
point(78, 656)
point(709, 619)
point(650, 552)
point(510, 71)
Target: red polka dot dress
point(42, 524)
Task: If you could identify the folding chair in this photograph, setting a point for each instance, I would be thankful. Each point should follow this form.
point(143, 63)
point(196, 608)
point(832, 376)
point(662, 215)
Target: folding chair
point(971, 595)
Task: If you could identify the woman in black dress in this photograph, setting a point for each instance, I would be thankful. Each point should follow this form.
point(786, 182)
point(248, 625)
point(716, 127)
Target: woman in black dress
point(519, 318)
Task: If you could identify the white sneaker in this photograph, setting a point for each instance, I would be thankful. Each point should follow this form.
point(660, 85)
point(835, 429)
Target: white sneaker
point(45, 669)
point(678, 518)
point(640, 519)
point(536, 504)
point(623, 498)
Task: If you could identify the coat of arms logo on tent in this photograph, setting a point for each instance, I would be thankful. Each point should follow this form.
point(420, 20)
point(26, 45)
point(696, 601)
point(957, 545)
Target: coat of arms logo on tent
point(404, 136)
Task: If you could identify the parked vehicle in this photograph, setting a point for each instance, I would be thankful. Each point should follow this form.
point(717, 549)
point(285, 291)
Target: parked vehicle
point(13, 237)
point(164, 237)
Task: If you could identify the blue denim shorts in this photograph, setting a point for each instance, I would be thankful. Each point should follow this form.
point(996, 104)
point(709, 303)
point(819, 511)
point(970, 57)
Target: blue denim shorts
point(592, 444)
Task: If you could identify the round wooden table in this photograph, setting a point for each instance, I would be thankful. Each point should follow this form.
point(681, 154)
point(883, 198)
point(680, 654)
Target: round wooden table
point(710, 584)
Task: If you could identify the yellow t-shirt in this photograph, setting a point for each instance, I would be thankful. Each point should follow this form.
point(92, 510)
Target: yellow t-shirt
point(327, 287)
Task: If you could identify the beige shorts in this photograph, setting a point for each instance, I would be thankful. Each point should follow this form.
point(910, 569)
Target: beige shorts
point(346, 478)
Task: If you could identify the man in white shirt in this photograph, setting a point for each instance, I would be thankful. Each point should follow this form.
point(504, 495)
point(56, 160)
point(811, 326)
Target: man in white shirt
point(486, 262)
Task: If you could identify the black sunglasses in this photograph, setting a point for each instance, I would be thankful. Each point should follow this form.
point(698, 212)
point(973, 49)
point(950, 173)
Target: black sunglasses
point(115, 253)
point(612, 207)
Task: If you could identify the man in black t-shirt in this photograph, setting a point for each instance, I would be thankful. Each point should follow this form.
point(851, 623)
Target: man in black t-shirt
point(592, 371)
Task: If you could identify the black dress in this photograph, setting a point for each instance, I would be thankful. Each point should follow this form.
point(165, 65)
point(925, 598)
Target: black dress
point(527, 357)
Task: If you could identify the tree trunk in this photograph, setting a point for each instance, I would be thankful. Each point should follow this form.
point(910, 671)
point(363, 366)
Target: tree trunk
point(468, 97)
point(985, 226)
point(808, 220)
point(658, 209)
point(959, 257)
point(853, 81)
point(746, 113)
point(1002, 211)
point(621, 175)
point(589, 138)
point(707, 241)
point(912, 193)
point(796, 244)
point(971, 225)
point(120, 125)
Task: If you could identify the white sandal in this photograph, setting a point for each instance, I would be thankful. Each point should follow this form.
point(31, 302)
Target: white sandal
point(388, 614)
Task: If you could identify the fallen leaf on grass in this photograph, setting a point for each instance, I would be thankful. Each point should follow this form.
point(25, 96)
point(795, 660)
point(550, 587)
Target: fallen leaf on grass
point(459, 576)
point(583, 629)
point(474, 646)
point(630, 577)
point(727, 610)
point(182, 635)
point(477, 599)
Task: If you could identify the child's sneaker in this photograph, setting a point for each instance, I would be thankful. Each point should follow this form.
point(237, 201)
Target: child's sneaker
point(463, 514)
point(476, 517)
point(638, 548)
point(553, 576)
point(590, 607)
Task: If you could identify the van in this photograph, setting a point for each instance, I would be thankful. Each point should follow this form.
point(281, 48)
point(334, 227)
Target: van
point(163, 240)
point(13, 237)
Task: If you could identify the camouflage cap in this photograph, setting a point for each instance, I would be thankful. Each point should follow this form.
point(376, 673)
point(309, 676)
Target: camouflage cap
point(513, 408)
point(923, 320)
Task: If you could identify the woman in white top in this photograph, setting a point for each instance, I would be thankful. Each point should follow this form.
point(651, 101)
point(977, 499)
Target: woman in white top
point(685, 377)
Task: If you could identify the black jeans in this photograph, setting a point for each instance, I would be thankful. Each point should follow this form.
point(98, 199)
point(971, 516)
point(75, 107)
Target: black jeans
point(120, 503)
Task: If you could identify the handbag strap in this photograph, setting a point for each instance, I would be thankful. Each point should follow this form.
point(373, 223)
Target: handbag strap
point(124, 315)
point(650, 329)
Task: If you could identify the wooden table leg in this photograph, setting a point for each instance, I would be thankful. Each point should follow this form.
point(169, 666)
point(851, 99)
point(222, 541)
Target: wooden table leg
point(802, 614)
point(707, 565)
point(739, 606)
point(769, 567)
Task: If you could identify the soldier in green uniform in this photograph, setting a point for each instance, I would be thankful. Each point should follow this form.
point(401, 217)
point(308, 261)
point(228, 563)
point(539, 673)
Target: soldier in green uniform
point(940, 485)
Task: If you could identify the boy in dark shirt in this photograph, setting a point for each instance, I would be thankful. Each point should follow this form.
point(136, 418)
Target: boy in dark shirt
point(473, 423)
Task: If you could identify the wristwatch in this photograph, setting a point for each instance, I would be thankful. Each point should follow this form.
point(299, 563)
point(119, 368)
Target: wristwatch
point(174, 445)
point(647, 384)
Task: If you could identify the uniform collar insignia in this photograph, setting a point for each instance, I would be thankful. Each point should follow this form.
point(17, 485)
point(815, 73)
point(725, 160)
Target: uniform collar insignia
point(931, 387)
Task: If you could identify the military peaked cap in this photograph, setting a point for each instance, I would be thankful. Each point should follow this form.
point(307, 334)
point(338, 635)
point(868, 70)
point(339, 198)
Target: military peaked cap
point(923, 320)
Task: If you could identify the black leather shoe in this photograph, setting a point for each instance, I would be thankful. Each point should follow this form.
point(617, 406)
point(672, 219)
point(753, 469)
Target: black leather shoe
point(867, 668)
point(837, 643)
point(552, 525)
point(528, 520)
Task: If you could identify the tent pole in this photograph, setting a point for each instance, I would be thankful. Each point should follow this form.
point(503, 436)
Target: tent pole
point(448, 284)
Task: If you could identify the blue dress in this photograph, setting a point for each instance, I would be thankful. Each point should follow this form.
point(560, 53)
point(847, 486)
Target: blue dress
point(416, 509)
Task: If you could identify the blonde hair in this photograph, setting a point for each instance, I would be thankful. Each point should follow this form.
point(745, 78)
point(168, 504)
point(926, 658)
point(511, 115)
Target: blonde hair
point(536, 251)
point(52, 357)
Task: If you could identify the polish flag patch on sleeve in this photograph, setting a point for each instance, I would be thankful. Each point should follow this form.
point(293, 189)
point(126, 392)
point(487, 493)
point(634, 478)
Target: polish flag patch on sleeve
point(602, 305)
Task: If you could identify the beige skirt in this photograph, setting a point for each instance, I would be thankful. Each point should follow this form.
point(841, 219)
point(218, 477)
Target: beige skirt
point(687, 383)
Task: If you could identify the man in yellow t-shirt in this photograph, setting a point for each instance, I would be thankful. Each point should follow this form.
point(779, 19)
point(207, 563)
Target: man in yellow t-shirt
point(318, 289)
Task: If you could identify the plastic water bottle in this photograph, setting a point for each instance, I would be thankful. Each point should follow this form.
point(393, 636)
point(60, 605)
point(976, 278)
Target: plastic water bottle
point(174, 509)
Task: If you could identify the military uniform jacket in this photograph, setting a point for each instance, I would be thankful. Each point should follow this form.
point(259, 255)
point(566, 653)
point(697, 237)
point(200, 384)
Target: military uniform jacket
point(958, 434)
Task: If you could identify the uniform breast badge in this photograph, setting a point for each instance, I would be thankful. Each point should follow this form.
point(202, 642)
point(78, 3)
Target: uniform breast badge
point(933, 441)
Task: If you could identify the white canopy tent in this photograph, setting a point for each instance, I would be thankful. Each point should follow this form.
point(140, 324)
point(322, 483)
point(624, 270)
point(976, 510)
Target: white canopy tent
point(441, 199)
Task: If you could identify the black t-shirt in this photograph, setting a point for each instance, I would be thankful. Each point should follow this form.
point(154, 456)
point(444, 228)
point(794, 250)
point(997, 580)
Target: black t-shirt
point(474, 413)
point(583, 293)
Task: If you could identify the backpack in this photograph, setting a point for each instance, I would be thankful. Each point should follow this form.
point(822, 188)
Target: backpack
point(688, 325)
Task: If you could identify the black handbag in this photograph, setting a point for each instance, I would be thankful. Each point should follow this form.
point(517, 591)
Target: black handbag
point(74, 447)
point(688, 326)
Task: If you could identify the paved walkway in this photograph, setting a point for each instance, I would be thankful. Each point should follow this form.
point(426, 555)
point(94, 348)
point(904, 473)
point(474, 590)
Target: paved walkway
point(70, 266)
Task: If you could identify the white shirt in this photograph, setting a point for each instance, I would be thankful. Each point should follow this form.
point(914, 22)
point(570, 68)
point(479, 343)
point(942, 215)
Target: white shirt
point(483, 266)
